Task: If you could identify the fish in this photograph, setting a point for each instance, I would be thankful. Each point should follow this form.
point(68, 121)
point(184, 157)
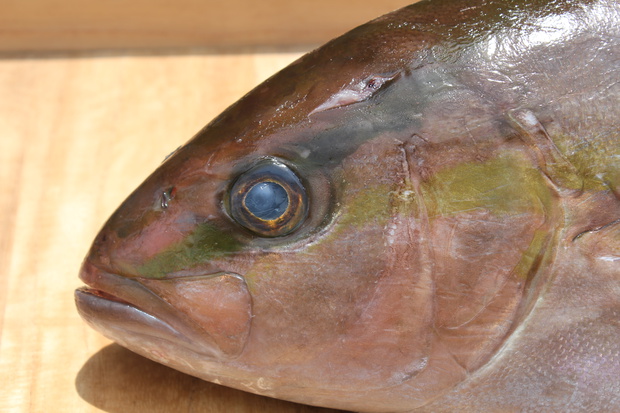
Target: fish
point(420, 215)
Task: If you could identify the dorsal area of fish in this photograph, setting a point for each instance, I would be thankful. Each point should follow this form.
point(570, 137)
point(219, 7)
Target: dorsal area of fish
point(423, 214)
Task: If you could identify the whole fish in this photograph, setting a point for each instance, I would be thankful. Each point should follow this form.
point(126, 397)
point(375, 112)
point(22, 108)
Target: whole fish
point(422, 214)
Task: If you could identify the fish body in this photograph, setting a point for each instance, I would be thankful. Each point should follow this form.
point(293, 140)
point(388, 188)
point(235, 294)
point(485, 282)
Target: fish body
point(423, 214)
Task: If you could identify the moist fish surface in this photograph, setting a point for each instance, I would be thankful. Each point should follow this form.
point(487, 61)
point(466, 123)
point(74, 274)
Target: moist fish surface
point(422, 214)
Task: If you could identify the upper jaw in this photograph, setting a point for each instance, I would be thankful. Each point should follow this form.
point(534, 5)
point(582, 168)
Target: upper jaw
point(150, 314)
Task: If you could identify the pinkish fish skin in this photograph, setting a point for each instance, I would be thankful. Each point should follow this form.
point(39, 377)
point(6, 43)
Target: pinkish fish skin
point(421, 215)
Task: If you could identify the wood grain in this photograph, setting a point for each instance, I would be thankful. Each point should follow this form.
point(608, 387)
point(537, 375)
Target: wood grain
point(80, 24)
point(78, 133)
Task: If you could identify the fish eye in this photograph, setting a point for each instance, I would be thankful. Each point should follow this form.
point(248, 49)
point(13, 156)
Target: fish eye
point(269, 200)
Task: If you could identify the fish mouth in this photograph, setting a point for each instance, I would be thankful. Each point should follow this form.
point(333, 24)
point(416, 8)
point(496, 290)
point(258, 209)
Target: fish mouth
point(147, 316)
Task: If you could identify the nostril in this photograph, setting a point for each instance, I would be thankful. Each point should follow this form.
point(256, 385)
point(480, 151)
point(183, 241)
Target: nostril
point(100, 241)
point(167, 196)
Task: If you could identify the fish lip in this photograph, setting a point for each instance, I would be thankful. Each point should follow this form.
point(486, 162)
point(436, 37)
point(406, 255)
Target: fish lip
point(109, 304)
point(101, 310)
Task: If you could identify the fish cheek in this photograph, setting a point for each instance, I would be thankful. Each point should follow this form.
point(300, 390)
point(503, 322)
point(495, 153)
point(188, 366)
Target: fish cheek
point(354, 295)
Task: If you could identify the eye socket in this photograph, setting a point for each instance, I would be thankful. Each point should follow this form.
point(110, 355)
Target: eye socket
point(269, 200)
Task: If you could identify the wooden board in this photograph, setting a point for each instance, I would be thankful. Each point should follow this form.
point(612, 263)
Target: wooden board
point(78, 133)
point(79, 24)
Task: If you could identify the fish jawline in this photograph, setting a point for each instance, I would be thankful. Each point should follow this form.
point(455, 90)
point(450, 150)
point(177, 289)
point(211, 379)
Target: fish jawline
point(108, 305)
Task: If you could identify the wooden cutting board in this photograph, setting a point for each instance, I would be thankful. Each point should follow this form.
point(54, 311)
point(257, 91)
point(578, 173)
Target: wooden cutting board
point(78, 132)
point(87, 25)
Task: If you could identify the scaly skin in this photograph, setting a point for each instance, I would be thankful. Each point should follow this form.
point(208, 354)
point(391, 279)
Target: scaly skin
point(461, 250)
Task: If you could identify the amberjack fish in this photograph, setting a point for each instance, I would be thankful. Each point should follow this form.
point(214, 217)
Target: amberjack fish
point(421, 214)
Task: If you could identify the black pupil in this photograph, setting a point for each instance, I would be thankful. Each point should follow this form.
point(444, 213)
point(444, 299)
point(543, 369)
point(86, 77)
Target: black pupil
point(267, 200)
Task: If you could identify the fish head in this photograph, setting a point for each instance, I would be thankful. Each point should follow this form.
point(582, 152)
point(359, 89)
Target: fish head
point(334, 238)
